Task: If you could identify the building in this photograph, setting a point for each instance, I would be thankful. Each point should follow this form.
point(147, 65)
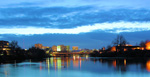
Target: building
point(58, 48)
point(45, 47)
point(67, 48)
point(126, 47)
point(54, 48)
point(61, 48)
point(147, 46)
point(113, 49)
point(74, 48)
point(40, 46)
point(4, 47)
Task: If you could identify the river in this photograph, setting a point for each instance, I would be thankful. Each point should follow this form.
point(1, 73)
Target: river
point(77, 66)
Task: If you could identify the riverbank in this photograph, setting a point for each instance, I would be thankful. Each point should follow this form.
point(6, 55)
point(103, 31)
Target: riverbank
point(127, 54)
point(134, 54)
point(12, 58)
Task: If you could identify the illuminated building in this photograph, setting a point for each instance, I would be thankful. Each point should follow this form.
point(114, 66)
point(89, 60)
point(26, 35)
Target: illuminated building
point(4, 44)
point(147, 46)
point(58, 48)
point(142, 48)
point(54, 48)
point(75, 48)
point(45, 47)
point(4, 47)
point(126, 47)
point(38, 46)
point(113, 49)
point(103, 48)
point(61, 48)
point(67, 48)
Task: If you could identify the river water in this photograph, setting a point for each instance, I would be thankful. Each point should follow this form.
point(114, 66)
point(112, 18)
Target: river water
point(77, 67)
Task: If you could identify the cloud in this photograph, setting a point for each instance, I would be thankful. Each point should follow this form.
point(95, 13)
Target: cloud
point(115, 27)
point(63, 17)
point(1, 37)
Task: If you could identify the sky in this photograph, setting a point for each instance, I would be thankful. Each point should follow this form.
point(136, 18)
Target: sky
point(91, 24)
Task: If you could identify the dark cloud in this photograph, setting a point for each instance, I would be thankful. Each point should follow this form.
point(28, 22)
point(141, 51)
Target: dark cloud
point(64, 17)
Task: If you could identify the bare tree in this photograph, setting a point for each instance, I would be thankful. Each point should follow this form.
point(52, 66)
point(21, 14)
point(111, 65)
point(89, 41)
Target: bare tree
point(120, 40)
point(14, 45)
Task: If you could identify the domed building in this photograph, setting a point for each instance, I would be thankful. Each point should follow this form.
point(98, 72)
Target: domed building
point(148, 45)
point(113, 49)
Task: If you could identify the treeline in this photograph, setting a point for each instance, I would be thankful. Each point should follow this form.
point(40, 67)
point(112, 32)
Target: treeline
point(17, 53)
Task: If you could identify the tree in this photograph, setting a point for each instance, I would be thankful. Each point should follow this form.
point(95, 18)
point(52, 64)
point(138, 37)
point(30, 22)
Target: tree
point(120, 40)
point(15, 49)
point(34, 52)
point(108, 47)
point(14, 45)
point(142, 44)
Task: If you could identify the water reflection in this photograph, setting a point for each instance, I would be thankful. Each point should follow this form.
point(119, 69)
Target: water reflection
point(148, 65)
point(64, 62)
point(124, 65)
point(119, 64)
point(62, 65)
point(114, 63)
point(40, 66)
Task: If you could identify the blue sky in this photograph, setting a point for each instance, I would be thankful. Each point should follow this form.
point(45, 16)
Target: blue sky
point(84, 23)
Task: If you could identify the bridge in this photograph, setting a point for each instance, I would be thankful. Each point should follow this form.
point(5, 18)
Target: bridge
point(69, 53)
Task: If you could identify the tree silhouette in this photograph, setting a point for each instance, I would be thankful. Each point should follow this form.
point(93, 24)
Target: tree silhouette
point(16, 49)
point(14, 45)
point(109, 47)
point(142, 44)
point(34, 52)
point(120, 40)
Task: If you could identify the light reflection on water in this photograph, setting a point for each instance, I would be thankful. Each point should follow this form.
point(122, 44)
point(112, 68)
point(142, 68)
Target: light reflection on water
point(77, 66)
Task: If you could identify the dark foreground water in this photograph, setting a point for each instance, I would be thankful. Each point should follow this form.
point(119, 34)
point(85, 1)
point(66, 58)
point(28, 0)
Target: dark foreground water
point(77, 67)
